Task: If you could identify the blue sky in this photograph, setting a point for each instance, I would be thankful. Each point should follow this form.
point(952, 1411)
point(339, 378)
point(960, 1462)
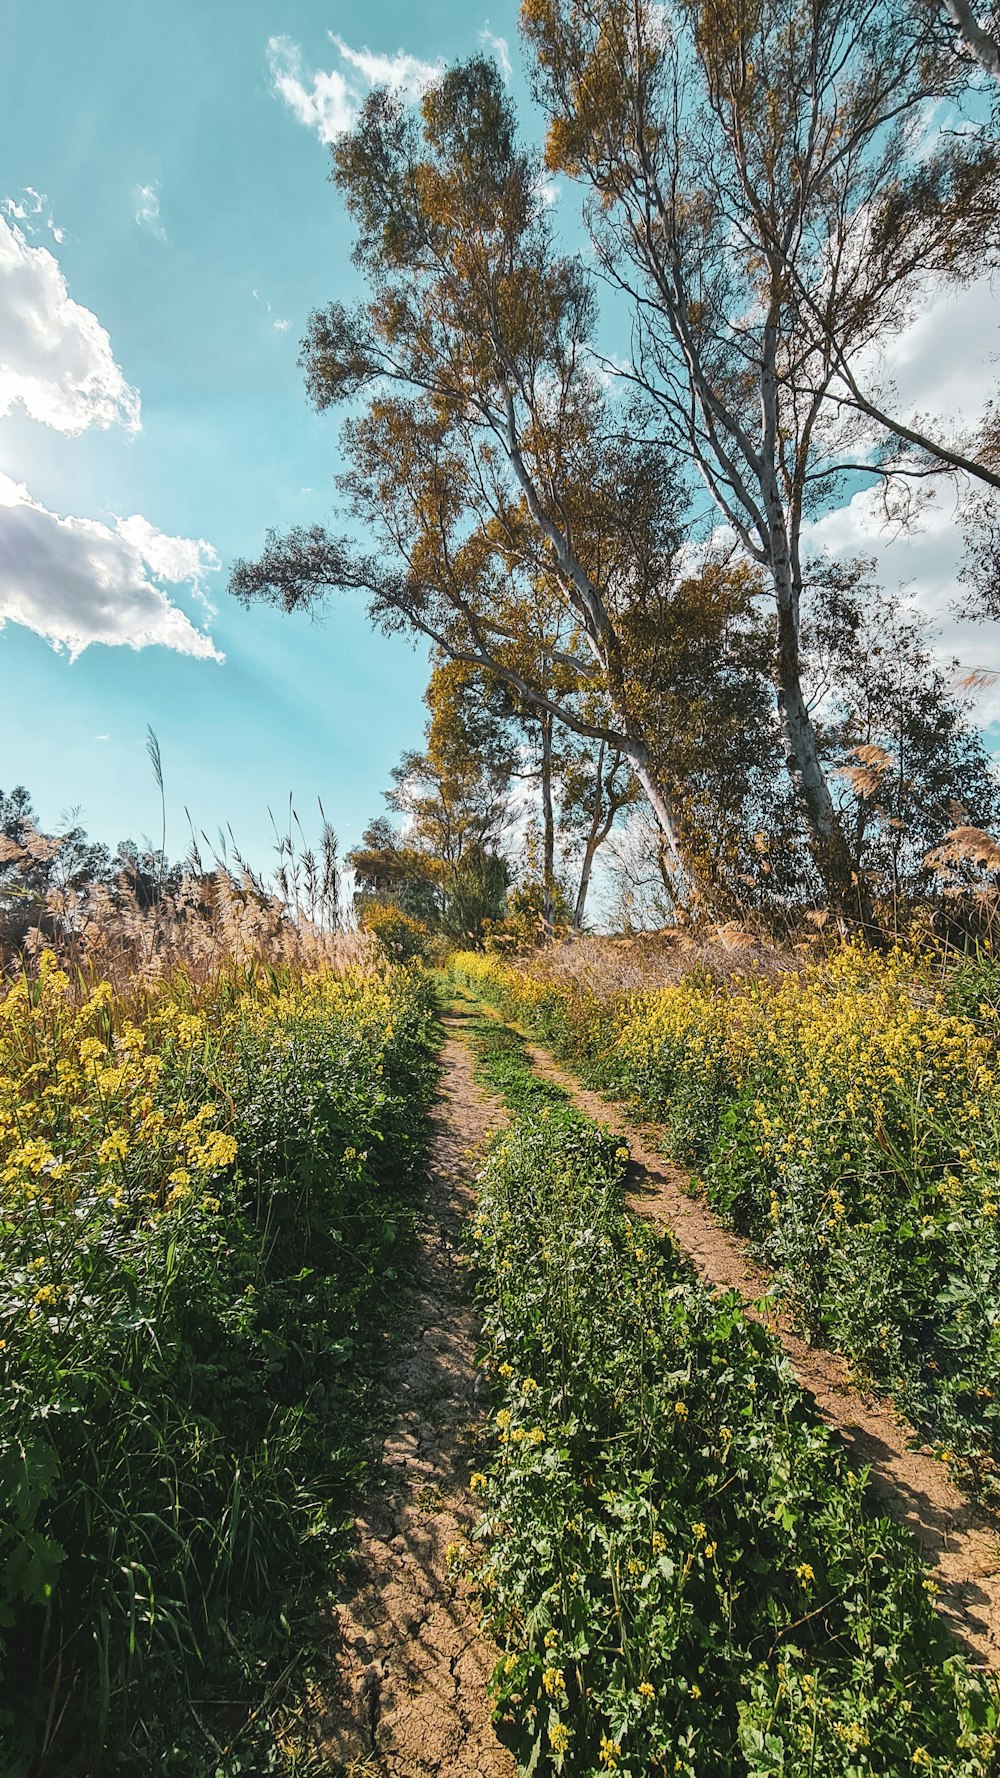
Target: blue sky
point(185, 203)
point(164, 168)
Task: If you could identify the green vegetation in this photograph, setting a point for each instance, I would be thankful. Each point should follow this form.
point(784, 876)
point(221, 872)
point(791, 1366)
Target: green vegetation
point(683, 1574)
point(206, 1197)
point(846, 1115)
point(770, 192)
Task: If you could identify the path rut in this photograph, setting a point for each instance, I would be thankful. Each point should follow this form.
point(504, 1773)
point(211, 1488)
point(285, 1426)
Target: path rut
point(960, 1541)
point(409, 1696)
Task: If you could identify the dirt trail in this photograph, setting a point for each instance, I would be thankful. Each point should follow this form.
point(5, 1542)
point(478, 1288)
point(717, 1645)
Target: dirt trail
point(412, 1669)
point(961, 1542)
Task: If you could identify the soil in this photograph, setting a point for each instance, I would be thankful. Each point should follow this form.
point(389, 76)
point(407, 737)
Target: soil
point(409, 1693)
point(960, 1541)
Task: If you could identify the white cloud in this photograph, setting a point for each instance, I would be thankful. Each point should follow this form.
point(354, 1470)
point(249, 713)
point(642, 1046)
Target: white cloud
point(56, 360)
point(280, 325)
point(942, 365)
point(329, 101)
point(176, 559)
point(404, 73)
point(30, 211)
point(77, 581)
point(500, 48)
point(26, 208)
point(147, 209)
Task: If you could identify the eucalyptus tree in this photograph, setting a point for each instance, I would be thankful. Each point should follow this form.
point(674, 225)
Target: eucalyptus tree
point(768, 190)
point(908, 763)
point(518, 526)
point(597, 788)
point(978, 35)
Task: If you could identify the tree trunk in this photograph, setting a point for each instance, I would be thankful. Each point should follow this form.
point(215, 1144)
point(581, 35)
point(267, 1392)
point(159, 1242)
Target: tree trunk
point(848, 896)
point(983, 45)
point(657, 800)
point(829, 844)
point(548, 828)
point(593, 841)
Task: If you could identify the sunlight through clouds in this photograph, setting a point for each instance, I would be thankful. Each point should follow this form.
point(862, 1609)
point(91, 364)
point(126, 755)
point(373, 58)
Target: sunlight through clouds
point(76, 581)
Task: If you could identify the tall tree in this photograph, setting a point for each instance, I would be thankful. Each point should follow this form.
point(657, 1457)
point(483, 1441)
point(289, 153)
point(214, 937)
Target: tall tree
point(765, 192)
point(457, 792)
point(978, 35)
point(518, 528)
point(446, 865)
point(596, 788)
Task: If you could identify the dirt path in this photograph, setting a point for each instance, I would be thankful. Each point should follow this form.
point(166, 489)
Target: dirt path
point(411, 1666)
point(961, 1542)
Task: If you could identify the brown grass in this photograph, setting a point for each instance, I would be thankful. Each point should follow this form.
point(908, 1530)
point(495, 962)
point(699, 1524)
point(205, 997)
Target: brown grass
point(637, 962)
point(209, 922)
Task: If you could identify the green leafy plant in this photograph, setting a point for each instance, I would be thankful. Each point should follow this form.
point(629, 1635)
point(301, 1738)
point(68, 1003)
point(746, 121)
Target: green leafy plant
point(682, 1572)
point(846, 1117)
point(204, 1219)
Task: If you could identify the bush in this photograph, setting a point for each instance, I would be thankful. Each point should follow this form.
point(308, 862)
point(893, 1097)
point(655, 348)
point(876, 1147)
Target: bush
point(398, 936)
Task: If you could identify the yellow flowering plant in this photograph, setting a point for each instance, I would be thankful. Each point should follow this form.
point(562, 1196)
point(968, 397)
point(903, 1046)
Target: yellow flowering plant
point(845, 1114)
point(672, 1595)
point(204, 1192)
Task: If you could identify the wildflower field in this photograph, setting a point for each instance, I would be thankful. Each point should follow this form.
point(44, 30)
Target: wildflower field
point(206, 1190)
point(845, 1114)
point(682, 1572)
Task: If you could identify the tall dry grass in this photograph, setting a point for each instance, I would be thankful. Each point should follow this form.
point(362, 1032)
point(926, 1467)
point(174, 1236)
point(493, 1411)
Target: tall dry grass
point(207, 923)
point(638, 962)
point(139, 929)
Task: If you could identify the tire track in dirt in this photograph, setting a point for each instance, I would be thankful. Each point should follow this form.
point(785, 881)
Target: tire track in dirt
point(409, 1696)
point(960, 1541)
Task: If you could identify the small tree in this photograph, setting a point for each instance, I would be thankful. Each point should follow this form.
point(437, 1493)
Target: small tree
point(444, 867)
point(906, 762)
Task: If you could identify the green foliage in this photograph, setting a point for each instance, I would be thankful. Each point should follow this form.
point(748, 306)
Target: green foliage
point(847, 1119)
point(682, 1572)
point(524, 924)
point(187, 1390)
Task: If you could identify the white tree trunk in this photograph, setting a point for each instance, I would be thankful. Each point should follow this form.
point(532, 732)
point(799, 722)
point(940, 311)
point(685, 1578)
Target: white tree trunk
point(984, 46)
